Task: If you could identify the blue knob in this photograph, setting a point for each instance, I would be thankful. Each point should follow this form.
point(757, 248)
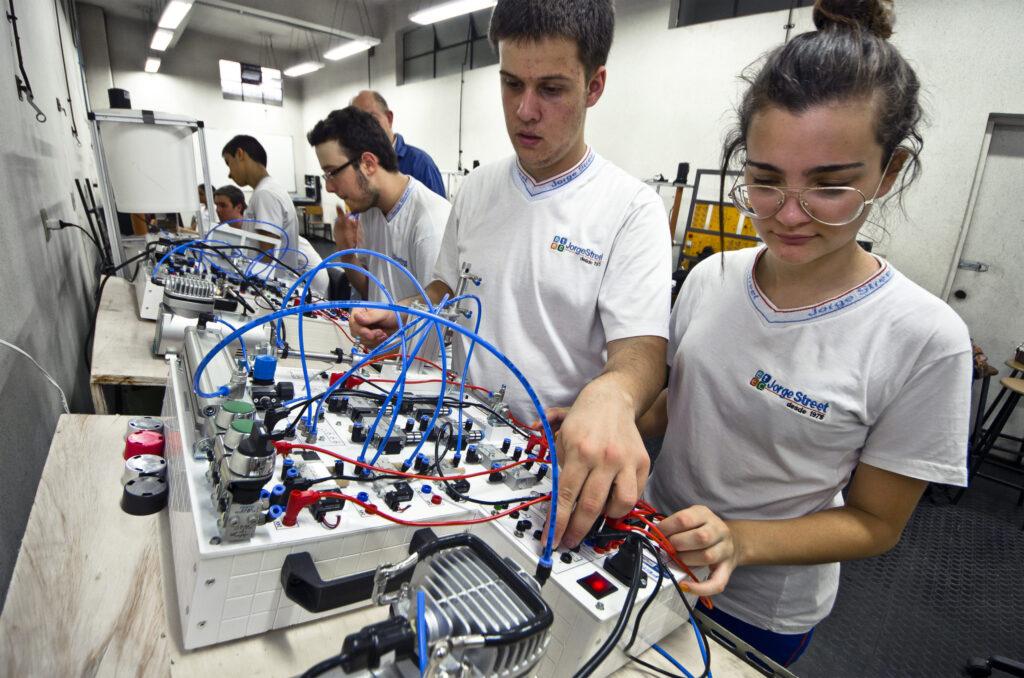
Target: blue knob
point(264, 493)
point(425, 489)
point(292, 473)
point(278, 490)
point(264, 367)
point(363, 496)
point(288, 463)
point(275, 512)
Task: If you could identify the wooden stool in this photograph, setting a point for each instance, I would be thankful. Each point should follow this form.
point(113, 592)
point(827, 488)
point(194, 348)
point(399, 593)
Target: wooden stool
point(1013, 388)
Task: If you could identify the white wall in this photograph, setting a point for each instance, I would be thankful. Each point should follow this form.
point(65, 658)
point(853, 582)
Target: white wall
point(671, 92)
point(46, 284)
point(969, 60)
point(188, 82)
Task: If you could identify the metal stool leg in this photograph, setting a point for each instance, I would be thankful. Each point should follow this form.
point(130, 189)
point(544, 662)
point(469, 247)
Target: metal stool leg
point(988, 441)
point(981, 415)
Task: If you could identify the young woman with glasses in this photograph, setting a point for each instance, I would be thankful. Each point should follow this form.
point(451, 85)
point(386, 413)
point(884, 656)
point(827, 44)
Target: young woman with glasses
point(804, 363)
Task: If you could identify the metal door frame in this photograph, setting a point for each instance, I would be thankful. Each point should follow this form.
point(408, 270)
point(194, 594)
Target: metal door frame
point(979, 173)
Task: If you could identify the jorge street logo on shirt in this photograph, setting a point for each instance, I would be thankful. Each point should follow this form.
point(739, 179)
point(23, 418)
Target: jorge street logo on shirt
point(585, 254)
point(798, 401)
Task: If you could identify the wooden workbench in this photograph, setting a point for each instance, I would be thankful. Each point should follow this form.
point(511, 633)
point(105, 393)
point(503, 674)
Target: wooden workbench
point(93, 589)
point(121, 347)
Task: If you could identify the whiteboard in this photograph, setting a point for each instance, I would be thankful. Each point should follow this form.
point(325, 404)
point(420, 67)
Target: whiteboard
point(280, 157)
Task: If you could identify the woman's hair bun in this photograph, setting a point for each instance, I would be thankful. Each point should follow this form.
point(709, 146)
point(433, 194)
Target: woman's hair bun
point(875, 16)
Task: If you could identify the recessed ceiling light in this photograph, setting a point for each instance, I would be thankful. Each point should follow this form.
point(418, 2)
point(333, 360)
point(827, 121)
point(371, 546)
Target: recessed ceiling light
point(302, 69)
point(348, 49)
point(161, 38)
point(447, 10)
point(174, 13)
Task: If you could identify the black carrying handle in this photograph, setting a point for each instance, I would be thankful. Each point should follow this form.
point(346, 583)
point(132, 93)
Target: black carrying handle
point(303, 585)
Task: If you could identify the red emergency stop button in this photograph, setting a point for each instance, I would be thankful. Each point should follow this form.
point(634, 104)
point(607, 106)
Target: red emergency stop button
point(597, 586)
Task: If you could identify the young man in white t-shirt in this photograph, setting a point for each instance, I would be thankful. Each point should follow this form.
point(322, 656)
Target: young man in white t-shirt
point(270, 203)
point(573, 256)
point(398, 216)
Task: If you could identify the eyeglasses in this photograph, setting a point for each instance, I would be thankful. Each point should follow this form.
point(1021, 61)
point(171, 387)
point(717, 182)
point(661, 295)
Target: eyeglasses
point(829, 205)
point(335, 172)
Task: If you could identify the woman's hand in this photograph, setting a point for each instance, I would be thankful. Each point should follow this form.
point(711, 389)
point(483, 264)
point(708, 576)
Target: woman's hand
point(702, 538)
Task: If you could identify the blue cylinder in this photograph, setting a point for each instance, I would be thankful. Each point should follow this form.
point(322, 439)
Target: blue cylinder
point(275, 512)
point(263, 368)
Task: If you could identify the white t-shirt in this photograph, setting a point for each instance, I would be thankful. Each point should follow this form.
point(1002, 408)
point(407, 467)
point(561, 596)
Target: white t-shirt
point(271, 203)
point(566, 266)
point(321, 281)
point(770, 411)
point(410, 234)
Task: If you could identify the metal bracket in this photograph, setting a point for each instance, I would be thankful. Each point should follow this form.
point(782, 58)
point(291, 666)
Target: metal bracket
point(23, 93)
point(745, 652)
point(967, 265)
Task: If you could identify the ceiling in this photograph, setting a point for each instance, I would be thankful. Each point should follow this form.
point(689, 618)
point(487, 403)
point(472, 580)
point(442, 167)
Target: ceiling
point(216, 22)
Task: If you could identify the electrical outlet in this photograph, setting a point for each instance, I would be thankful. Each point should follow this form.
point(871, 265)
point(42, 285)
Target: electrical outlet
point(46, 225)
point(49, 223)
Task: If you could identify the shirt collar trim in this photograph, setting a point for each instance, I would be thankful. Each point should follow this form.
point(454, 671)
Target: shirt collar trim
point(401, 202)
point(841, 302)
point(534, 189)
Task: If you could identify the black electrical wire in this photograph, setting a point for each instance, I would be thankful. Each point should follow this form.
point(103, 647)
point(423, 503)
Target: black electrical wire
point(646, 544)
point(242, 275)
point(326, 665)
point(98, 297)
point(651, 667)
point(650, 599)
point(689, 609)
point(66, 224)
point(627, 609)
point(451, 490)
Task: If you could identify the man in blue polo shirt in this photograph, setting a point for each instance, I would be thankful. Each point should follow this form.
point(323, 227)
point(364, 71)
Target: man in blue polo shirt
point(411, 160)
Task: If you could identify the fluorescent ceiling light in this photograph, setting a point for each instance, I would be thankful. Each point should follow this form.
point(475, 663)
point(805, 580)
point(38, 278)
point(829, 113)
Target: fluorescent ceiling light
point(447, 10)
point(152, 65)
point(302, 69)
point(174, 13)
point(161, 39)
point(349, 48)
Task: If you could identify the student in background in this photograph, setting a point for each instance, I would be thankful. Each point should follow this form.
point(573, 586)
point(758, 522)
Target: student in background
point(270, 206)
point(270, 203)
point(412, 161)
point(398, 216)
point(229, 202)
